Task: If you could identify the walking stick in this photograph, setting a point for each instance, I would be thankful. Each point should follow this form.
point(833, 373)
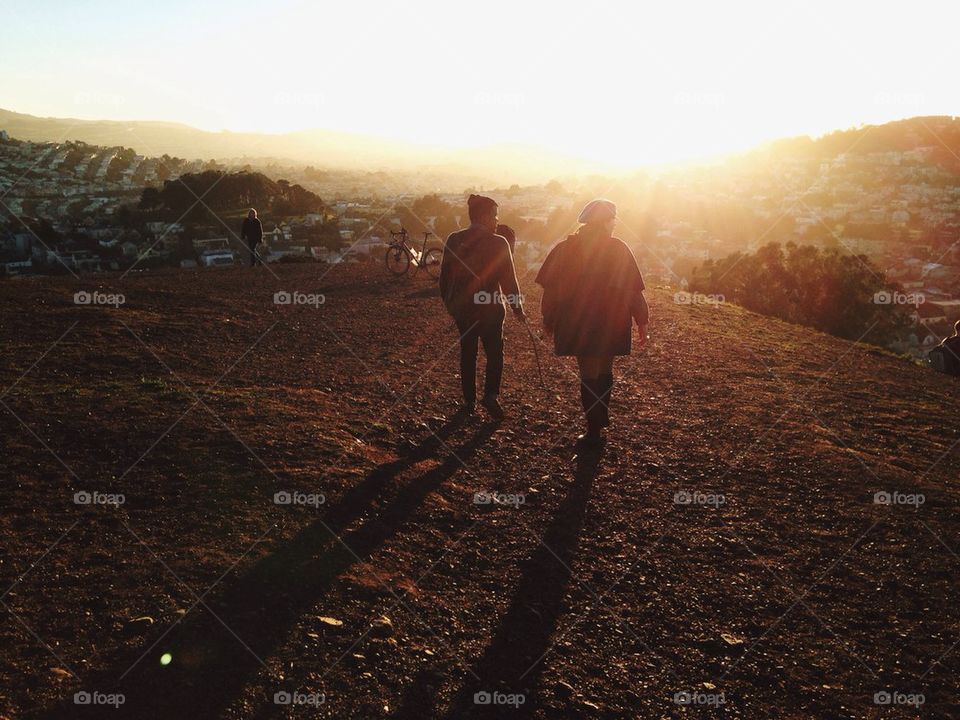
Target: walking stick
point(536, 354)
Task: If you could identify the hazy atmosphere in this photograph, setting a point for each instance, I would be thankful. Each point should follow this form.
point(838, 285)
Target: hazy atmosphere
point(672, 81)
point(465, 361)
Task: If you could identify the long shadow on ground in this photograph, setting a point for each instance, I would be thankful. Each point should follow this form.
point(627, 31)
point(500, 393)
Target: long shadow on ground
point(261, 607)
point(513, 662)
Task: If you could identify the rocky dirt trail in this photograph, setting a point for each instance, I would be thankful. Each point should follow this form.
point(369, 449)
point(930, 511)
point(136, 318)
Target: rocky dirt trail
point(727, 549)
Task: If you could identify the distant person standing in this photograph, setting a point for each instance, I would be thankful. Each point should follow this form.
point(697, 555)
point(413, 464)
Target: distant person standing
point(592, 293)
point(251, 235)
point(949, 353)
point(477, 280)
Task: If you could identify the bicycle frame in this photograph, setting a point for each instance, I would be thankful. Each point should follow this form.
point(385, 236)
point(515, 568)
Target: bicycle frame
point(400, 239)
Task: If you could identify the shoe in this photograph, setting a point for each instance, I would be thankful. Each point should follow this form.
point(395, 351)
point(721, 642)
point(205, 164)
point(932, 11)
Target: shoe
point(591, 394)
point(465, 409)
point(492, 406)
point(591, 439)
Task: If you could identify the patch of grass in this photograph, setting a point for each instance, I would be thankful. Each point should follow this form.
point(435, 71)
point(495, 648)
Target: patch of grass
point(154, 384)
point(379, 429)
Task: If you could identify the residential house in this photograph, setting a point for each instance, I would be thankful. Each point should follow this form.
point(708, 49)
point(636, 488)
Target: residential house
point(219, 243)
point(20, 267)
point(927, 314)
point(217, 258)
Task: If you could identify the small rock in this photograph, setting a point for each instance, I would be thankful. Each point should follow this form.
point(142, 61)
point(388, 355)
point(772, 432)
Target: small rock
point(730, 639)
point(381, 627)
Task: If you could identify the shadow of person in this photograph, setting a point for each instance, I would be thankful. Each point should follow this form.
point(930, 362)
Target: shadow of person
point(513, 662)
point(218, 647)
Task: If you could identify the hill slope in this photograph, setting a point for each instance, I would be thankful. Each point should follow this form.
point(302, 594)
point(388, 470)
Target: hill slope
point(327, 148)
point(198, 399)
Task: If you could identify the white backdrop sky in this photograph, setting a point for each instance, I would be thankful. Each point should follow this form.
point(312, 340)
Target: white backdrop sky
point(616, 81)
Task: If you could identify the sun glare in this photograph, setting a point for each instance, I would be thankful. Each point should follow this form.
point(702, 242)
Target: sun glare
point(625, 84)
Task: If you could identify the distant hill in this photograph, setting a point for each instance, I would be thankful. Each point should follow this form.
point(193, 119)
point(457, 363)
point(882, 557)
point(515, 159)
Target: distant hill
point(325, 148)
point(941, 134)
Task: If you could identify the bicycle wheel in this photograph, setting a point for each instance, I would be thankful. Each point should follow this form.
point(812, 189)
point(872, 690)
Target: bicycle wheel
point(431, 261)
point(398, 260)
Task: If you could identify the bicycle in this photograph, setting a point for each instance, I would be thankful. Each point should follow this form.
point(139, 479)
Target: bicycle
point(400, 255)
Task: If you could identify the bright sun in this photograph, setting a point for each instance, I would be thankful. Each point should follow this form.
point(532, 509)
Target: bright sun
point(615, 82)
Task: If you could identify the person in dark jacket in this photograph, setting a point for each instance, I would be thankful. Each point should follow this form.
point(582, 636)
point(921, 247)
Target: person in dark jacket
point(592, 293)
point(477, 280)
point(951, 346)
point(251, 234)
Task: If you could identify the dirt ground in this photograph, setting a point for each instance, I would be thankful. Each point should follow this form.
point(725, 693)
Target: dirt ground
point(725, 556)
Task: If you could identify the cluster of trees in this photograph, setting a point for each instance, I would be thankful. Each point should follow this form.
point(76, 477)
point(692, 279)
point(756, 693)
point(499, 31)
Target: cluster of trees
point(447, 217)
point(228, 191)
point(826, 289)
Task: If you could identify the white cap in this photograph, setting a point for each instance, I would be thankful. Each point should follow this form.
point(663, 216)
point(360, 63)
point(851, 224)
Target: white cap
point(598, 210)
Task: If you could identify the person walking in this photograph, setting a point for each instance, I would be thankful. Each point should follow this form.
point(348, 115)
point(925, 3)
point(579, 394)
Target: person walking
point(251, 235)
point(477, 281)
point(592, 294)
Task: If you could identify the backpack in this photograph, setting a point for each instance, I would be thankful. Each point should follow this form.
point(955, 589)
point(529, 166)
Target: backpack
point(467, 273)
point(943, 360)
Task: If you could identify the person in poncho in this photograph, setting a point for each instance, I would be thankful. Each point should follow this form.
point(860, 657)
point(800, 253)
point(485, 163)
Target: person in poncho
point(592, 294)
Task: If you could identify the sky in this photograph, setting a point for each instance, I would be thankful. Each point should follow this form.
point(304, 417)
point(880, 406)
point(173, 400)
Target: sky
point(624, 82)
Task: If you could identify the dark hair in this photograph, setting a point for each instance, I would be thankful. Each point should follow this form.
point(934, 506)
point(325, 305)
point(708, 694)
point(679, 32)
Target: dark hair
point(479, 206)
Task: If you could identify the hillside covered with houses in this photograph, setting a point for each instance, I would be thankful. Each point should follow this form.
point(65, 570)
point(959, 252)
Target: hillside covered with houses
point(889, 194)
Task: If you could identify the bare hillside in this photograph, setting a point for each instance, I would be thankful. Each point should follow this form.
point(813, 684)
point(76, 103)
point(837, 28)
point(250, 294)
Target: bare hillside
point(728, 554)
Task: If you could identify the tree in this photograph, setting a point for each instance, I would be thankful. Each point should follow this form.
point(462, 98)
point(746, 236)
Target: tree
point(150, 198)
point(826, 289)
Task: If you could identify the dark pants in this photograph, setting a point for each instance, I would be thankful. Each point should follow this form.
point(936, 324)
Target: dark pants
point(489, 331)
point(254, 259)
point(596, 385)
